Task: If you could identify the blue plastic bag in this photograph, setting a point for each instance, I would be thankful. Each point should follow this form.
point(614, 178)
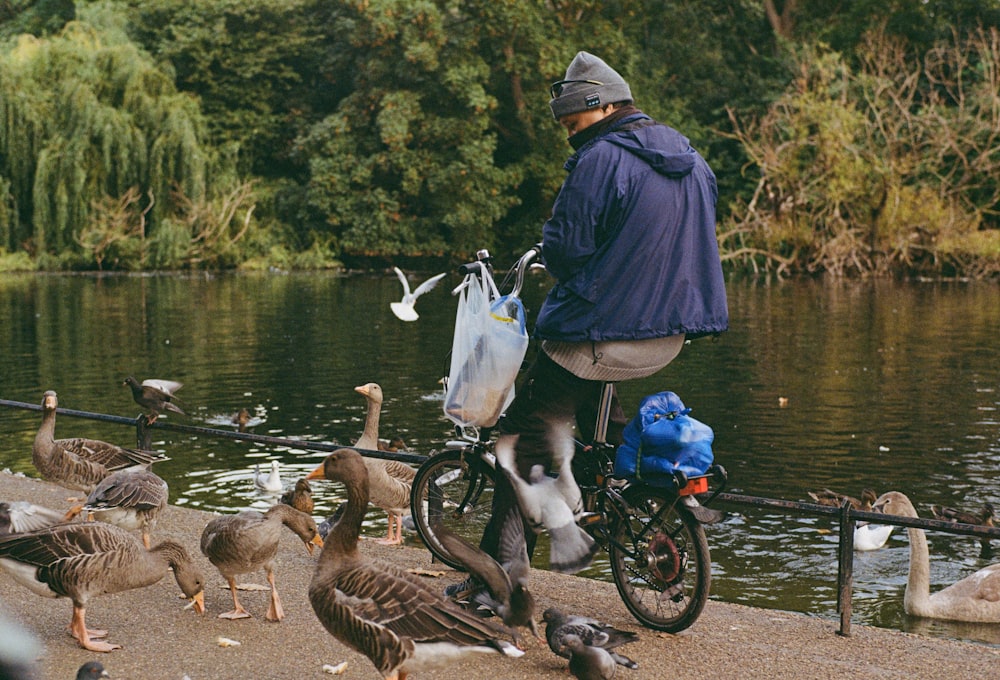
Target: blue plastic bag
point(663, 438)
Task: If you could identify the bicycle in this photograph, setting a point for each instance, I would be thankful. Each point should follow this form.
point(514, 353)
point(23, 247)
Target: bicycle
point(654, 535)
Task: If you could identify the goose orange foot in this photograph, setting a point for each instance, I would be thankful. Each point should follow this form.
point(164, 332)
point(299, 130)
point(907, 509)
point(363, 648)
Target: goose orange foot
point(89, 639)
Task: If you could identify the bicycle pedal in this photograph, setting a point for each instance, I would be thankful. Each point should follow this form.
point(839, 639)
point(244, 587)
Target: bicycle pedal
point(589, 519)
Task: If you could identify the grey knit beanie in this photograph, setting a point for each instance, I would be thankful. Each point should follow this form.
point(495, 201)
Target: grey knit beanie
point(574, 93)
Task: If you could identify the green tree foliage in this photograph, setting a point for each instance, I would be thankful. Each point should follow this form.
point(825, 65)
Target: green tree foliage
point(86, 116)
point(890, 169)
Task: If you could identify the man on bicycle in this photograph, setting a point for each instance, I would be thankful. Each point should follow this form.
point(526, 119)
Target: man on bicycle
point(631, 243)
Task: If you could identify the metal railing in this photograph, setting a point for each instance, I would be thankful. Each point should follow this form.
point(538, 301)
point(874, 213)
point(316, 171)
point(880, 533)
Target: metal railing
point(847, 516)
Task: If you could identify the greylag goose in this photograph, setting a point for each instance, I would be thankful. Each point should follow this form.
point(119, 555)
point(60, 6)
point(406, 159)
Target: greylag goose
point(299, 497)
point(84, 560)
point(403, 309)
point(131, 499)
point(975, 598)
point(18, 517)
point(590, 631)
point(983, 517)
point(381, 611)
point(269, 481)
point(587, 662)
point(390, 480)
point(506, 580)
point(247, 541)
point(155, 396)
point(79, 463)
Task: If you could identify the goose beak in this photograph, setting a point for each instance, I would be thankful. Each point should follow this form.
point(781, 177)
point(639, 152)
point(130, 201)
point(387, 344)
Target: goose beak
point(362, 389)
point(318, 473)
point(198, 601)
point(316, 542)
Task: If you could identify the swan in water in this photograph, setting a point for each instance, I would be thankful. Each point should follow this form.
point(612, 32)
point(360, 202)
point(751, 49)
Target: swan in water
point(975, 598)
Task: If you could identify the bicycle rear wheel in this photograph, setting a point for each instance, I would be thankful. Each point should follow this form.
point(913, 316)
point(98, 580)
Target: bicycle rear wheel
point(455, 487)
point(660, 560)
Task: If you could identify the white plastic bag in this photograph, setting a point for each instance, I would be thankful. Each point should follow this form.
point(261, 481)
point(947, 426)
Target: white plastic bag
point(489, 345)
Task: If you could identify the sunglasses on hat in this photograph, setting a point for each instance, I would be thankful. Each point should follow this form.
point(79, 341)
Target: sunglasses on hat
point(556, 89)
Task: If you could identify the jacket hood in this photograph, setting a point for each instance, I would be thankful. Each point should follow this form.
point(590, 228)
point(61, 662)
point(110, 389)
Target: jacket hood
point(659, 146)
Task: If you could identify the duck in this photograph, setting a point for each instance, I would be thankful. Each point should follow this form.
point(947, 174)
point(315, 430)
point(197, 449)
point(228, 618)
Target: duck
point(269, 481)
point(131, 499)
point(984, 517)
point(79, 463)
point(378, 609)
point(835, 499)
point(404, 309)
point(83, 560)
point(247, 541)
point(591, 632)
point(974, 599)
point(390, 480)
point(867, 536)
point(299, 497)
point(18, 517)
point(241, 419)
point(156, 396)
point(397, 443)
point(506, 579)
point(587, 662)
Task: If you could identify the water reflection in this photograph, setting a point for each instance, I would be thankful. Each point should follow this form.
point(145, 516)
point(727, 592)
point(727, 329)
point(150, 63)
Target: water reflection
point(836, 385)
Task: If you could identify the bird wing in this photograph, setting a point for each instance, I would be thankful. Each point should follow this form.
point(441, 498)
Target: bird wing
point(136, 489)
point(406, 284)
point(427, 285)
point(21, 516)
point(167, 387)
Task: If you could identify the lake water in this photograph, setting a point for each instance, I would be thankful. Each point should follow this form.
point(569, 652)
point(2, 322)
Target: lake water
point(843, 385)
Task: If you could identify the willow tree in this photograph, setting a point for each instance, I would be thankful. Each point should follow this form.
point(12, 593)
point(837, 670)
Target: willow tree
point(86, 116)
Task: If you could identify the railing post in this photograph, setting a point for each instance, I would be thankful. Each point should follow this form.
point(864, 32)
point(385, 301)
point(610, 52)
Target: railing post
point(845, 568)
point(143, 435)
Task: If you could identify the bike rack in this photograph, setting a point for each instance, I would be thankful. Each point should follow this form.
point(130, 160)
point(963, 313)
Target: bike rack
point(847, 516)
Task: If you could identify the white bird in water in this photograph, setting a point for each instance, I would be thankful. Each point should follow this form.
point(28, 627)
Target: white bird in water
point(404, 310)
point(270, 481)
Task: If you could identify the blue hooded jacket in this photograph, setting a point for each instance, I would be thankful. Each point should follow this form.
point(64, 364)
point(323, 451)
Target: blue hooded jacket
point(631, 241)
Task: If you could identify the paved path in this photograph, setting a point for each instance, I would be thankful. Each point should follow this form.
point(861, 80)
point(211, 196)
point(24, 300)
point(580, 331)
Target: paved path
point(162, 641)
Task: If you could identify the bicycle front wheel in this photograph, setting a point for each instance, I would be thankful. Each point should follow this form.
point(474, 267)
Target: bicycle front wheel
point(455, 488)
point(660, 560)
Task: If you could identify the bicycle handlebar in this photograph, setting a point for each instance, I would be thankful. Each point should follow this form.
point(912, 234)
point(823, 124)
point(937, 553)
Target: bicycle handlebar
point(484, 259)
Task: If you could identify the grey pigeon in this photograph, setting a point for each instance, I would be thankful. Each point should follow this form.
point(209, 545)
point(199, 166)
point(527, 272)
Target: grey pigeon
point(92, 670)
point(506, 581)
point(155, 395)
point(591, 632)
point(542, 503)
point(587, 662)
point(18, 517)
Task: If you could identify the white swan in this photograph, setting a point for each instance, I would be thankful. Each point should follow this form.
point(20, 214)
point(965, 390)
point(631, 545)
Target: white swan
point(404, 310)
point(271, 481)
point(869, 537)
point(975, 598)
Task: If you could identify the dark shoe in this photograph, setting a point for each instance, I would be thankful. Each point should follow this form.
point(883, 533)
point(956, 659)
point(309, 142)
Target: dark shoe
point(463, 589)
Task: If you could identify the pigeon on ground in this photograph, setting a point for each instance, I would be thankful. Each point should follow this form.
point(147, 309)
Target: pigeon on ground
point(404, 310)
point(155, 395)
point(92, 670)
point(587, 662)
point(592, 632)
